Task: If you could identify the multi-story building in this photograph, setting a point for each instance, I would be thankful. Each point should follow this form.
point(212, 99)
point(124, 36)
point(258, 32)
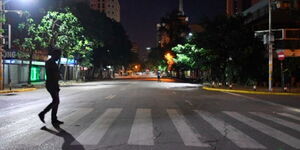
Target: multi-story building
point(135, 48)
point(110, 7)
point(173, 29)
point(285, 23)
point(234, 7)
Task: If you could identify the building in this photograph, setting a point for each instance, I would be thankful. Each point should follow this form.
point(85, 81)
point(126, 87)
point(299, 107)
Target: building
point(285, 24)
point(135, 48)
point(110, 7)
point(16, 67)
point(234, 7)
point(173, 29)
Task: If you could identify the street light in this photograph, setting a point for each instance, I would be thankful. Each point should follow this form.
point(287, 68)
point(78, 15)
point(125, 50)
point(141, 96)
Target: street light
point(2, 15)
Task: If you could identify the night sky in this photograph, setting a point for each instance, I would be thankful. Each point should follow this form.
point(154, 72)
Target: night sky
point(139, 17)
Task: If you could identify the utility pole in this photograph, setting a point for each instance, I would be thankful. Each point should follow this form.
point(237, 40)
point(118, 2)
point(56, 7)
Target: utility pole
point(1, 46)
point(270, 46)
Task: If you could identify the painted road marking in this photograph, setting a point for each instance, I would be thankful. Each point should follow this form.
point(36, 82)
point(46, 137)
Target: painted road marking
point(265, 102)
point(94, 133)
point(278, 121)
point(236, 136)
point(110, 97)
point(142, 128)
point(276, 134)
point(289, 116)
point(189, 102)
point(189, 137)
point(39, 137)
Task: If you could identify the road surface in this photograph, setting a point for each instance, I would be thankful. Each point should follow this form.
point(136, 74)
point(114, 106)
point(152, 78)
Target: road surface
point(149, 115)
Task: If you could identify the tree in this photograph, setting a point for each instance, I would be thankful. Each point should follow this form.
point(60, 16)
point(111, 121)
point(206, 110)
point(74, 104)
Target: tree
point(64, 31)
point(30, 40)
point(231, 50)
point(112, 45)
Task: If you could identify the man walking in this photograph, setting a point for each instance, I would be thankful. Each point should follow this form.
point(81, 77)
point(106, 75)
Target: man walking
point(52, 87)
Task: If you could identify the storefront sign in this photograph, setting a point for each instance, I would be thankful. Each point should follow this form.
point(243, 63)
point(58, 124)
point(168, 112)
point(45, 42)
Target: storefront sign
point(10, 54)
point(40, 55)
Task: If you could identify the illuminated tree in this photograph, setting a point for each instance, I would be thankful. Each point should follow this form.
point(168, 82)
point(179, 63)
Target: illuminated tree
point(64, 31)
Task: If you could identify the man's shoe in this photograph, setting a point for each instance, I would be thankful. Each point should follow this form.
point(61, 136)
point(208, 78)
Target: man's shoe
point(57, 122)
point(42, 117)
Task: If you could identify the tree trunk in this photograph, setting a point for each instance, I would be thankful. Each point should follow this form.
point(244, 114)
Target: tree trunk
point(29, 67)
point(100, 72)
point(66, 69)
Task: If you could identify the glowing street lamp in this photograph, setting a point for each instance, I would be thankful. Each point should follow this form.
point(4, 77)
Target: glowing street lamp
point(2, 15)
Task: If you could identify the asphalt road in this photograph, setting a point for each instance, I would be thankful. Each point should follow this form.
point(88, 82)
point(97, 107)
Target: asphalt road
point(150, 115)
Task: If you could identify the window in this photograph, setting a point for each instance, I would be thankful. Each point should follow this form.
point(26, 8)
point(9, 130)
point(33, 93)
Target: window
point(99, 6)
point(112, 12)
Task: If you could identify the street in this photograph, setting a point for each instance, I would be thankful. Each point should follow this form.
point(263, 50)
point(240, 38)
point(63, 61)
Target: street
point(138, 114)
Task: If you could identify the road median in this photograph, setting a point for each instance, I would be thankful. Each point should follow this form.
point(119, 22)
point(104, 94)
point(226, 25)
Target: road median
point(249, 91)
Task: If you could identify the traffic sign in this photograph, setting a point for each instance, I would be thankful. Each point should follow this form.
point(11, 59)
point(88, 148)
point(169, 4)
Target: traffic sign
point(281, 56)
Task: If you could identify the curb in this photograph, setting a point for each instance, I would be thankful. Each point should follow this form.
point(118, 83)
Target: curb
point(17, 90)
point(250, 92)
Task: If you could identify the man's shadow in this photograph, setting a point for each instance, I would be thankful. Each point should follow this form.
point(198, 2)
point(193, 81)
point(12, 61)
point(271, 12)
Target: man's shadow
point(68, 138)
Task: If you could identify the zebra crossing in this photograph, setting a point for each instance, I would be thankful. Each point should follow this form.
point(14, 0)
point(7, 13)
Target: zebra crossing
point(142, 128)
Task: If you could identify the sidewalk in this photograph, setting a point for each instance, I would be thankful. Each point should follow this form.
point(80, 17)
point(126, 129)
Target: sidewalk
point(251, 90)
point(34, 86)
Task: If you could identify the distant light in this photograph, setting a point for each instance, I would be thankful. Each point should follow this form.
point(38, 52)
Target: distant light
point(148, 48)
point(190, 34)
point(26, 1)
point(29, 2)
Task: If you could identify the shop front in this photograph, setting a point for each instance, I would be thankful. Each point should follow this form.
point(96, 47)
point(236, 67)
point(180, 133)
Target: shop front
point(16, 67)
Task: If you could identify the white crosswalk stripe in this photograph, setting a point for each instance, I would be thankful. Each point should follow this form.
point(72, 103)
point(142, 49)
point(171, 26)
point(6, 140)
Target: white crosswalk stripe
point(39, 136)
point(94, 133)
point(289, 116)
point(189, 137)
point(278, 121)
point(235, 135)
point(276, 134)
point(142, 128)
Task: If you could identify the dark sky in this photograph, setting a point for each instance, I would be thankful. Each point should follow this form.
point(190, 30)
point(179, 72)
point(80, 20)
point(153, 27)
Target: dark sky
point(139, 17)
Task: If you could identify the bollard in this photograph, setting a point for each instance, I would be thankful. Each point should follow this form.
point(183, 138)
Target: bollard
point(254, 88)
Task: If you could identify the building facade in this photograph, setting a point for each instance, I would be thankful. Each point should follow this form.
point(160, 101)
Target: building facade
point(234, 7)
point(16, 67)
point(110, 7)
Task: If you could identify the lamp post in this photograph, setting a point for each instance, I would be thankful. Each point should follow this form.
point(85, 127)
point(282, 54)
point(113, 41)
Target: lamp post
point(270, 46)
point(1, 46)
point(2, 16)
